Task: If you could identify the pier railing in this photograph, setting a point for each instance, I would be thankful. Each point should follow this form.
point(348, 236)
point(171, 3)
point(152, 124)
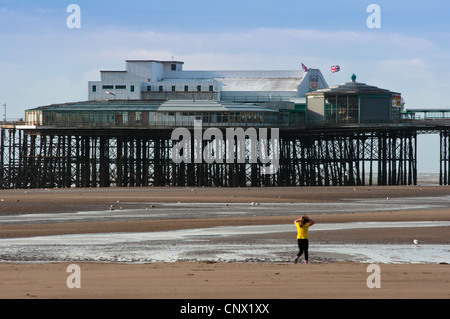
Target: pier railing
point(421, 124)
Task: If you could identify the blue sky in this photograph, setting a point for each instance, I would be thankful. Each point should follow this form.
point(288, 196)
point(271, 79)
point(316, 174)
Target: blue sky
point(43, 62)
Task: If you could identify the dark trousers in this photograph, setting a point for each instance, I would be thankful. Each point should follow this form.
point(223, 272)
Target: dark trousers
point(303, 247)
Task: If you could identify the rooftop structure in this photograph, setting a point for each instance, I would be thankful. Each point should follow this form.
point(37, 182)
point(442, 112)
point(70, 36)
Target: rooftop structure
point(353, 102)
point(156, 80)
point(152, 93)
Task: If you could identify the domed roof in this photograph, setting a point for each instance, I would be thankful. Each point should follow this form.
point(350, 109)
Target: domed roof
point(352, 87)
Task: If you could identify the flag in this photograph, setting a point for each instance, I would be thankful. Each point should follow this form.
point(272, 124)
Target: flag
point(335, 68)
point(304, 68)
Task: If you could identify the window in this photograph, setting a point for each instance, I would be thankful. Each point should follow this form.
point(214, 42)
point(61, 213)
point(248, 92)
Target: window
point(102, 118)
point(173, 88)
point(138, 119)
point(132, 88)
point(211, 88)
point(186, 88)
point(160, 88)
point(94, 88)
point(111, 117)
point(125, 118)
point(121, 87)
point(238, 117)
point(108, 87)
point(173, 67)
point(199, 88)
point(88, 117)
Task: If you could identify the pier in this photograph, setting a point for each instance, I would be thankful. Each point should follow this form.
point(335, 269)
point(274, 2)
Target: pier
point(349, 134)
point(41, 157)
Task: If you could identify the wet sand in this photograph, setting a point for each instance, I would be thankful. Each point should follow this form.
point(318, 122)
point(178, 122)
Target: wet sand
point(225, 280)
point(72, 200)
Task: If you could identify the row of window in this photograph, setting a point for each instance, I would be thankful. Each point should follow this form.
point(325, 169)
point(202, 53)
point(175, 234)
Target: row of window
point(436, 115)
point(118, 87)
point(111, 87)
point(149, 88)
point(186, 88)
point(163, 118)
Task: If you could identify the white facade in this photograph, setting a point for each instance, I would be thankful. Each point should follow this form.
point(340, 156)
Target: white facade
point(143, 76)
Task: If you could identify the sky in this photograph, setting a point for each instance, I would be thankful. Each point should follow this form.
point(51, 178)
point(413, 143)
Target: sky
point(43, 61)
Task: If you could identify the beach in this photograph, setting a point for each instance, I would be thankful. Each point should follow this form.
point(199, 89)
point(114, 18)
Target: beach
point(30, 215)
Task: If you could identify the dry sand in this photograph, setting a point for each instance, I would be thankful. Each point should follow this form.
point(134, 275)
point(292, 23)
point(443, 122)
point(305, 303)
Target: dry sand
point(225, 280)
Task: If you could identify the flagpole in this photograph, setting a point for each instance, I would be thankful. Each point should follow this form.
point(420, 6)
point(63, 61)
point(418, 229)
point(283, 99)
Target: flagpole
point(330, 75)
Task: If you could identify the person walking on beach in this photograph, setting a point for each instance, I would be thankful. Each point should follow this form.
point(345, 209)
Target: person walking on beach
point(303, 225)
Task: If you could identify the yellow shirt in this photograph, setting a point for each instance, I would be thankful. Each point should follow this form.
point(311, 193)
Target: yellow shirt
point(302, 232)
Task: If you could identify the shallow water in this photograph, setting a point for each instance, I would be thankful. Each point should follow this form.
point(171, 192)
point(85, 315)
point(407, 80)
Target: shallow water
point(215, 244)
point(403, 253)
point(223, 244)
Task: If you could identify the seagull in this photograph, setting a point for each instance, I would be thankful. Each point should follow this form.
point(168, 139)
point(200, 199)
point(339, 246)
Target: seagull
point(416, 241)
